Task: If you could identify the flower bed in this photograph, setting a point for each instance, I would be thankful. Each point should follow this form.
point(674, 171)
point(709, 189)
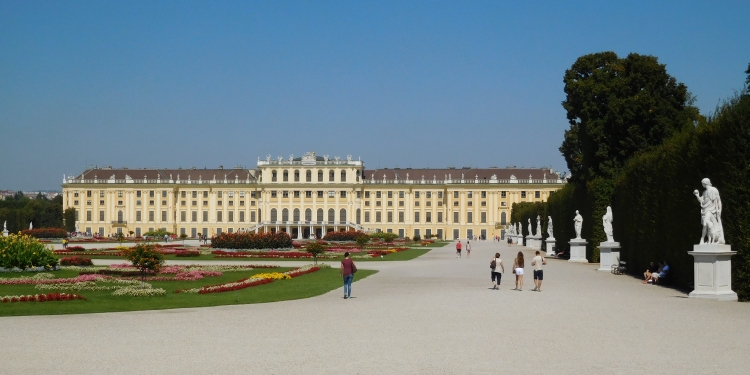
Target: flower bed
point(76, 261)
point(42, 297)
point(255, 280)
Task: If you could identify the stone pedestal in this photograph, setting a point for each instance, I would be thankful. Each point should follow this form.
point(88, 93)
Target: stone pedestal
point(530, 241)
point(609, 255)
point(550, 246)
point(712, 267)
point(578, 250)
point(5, 233)
point(537, 245)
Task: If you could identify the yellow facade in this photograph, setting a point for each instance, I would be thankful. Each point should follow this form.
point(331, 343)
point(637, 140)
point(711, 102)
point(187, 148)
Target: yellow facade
point(304, 197)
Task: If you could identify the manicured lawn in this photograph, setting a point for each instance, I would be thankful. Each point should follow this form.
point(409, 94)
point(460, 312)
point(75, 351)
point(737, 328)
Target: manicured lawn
point(304, 286)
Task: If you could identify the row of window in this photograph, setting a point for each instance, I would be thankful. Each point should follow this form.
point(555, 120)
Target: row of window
point(308, 176)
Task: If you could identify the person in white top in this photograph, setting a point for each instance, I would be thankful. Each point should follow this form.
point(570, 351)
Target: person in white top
point(537, 263)
point(468, 249)
point(496, 273)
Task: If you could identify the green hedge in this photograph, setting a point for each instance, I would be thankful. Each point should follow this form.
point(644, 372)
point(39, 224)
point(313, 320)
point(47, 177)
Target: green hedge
point(278, 240)
point(656, 215)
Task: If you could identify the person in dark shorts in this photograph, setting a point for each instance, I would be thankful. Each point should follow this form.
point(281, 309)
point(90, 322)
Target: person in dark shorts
point(537, 263)
point(496, 271)
point(458, 249)
point(347, 270)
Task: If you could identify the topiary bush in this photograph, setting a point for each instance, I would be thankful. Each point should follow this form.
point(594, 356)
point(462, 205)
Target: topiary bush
point(144, 257)
point(22, 251)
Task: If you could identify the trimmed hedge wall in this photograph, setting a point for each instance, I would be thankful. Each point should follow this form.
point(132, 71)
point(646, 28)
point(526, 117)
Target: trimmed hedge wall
point(343, 236)
point(657, 216)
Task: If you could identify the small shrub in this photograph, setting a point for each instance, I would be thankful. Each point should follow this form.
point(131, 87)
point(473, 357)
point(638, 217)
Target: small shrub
point(145, 258)
point(315, 248)
point(23, 251)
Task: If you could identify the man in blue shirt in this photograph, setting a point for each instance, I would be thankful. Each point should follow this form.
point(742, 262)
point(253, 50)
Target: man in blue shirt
point(663, 273)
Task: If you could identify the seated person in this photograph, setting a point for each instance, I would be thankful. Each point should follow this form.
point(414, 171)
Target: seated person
point(650, 271)
point(657, 276)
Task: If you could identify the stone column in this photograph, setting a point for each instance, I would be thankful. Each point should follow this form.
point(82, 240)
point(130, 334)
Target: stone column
point(578, 250)
point(712, 268)
point(550, 245)
point(609, 255)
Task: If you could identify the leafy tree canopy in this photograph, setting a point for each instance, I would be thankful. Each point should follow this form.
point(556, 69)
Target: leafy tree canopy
point(618, 107)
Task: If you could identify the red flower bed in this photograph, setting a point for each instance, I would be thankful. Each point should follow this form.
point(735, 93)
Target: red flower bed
point(76, 261)
point(75, 248)
point(187, 253)
point(46, 233)
point(43, 297)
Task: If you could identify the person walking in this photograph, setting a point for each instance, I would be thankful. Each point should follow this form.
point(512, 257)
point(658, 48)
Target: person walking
point(347, 270)
point(458, 249)
point(537, 263)
point(496, 265)
point(518, 270)
point(468, 249)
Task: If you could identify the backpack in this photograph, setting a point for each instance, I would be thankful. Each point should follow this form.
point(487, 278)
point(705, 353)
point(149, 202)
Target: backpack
point(493, 264)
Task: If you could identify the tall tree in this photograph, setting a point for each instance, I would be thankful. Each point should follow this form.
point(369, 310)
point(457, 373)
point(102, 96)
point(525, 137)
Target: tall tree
point(618, 107)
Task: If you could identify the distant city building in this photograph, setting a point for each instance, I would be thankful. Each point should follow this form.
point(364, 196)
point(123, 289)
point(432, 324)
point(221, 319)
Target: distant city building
point(29, 194)
point(304, 196)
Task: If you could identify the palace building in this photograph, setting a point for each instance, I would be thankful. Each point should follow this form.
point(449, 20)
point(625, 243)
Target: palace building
point(305, 196)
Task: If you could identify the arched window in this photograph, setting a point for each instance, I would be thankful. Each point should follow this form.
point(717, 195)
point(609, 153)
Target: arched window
point(308, 215)
point(331, 215)
point(285, 215)
point(274, 217)
point(342, 215)
point(119, 217)
point(502, 218)
point(296, 214)
point(308, 176)
point(343, 176)
point(331, 176)
point(286, 175)
point(320, 214)
point(359, 213)
point(320, 176)
point(273, 176)
point(296, 176)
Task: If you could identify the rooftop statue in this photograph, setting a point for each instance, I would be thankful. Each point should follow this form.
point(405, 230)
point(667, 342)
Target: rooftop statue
point(710, 214)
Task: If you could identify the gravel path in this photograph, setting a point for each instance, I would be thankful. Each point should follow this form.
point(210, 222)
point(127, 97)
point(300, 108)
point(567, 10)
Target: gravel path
point(432, 315)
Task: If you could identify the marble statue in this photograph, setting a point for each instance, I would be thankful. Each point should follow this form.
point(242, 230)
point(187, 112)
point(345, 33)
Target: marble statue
point(549, 227)
point(531, 233)
point(538, 232)
point(713, 231)
point(5, 225)
point(578, 224)
point(607, 221)
point(31, 225)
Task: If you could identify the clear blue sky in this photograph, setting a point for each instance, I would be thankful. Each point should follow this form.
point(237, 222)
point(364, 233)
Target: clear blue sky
point(400, 83)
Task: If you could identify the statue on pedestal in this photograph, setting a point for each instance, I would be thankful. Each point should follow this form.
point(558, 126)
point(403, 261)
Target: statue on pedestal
point(578, 222)
point(531, 233)
point(538, 227)
point(710, 214)
point(607, 221)
point(549, 228)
